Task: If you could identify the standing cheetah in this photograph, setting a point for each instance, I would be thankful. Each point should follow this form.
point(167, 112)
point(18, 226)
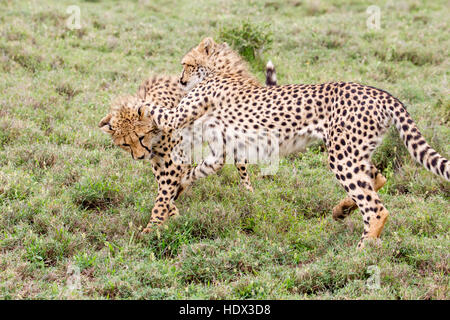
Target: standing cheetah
point(131, 131)
point(350, 118)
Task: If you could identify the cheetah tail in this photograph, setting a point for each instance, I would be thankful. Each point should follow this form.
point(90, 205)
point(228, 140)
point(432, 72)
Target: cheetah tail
point(271, 75)
point(414, 141)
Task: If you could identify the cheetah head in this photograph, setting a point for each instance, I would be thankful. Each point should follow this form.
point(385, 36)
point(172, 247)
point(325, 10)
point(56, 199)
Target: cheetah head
point(208, 58)
point(129, 128)
point(195, 64)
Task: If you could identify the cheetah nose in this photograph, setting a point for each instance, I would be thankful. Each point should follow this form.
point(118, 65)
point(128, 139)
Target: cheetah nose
point(141, 157)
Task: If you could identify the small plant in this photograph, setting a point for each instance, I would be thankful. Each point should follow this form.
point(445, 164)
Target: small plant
point(249, 39)
point(250, 289)
point(85, 260)
point(66, 90)
point(442, 109)
point(96, 195)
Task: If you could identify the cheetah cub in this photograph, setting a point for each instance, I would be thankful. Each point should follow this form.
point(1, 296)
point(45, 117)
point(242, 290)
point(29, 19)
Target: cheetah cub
point(350, 118)
point(137, 135)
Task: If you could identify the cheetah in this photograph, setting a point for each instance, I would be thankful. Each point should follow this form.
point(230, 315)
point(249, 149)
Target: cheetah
point(350, 118)
point(130, 131)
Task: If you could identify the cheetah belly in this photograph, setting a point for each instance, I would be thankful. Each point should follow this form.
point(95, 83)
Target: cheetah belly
point(297, 143)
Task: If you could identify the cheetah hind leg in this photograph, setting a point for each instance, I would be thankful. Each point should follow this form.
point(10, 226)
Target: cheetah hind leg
point(347, 205)
point(360, 188)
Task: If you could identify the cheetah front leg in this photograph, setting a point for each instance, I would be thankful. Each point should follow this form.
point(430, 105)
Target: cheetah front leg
point(159, 214)
point(169, 177)
point(163, 208)
point(209, 165)
point(347, 205)
point(213, 162)
point(245, 177)
point(360, 189)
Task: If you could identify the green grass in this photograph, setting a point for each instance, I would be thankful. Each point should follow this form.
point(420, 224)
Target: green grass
point(69, 198)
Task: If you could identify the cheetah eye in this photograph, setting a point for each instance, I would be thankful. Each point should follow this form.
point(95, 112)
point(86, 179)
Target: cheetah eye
point(152, 131)
point(125, 145)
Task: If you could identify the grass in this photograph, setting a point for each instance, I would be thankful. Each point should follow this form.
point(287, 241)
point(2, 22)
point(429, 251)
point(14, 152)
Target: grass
point(70, 199)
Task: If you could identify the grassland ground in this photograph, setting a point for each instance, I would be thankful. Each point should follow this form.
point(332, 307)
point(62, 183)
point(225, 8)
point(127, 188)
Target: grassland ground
point(70, 201)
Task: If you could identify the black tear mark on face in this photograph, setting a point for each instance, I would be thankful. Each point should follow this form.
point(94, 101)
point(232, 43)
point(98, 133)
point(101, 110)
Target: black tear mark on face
point(143, 145)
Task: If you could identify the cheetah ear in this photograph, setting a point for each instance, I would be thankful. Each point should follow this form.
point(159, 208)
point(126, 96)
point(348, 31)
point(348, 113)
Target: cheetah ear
point(142, 92)
point(141, 112)
point(104, 124)
point(206, 45)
